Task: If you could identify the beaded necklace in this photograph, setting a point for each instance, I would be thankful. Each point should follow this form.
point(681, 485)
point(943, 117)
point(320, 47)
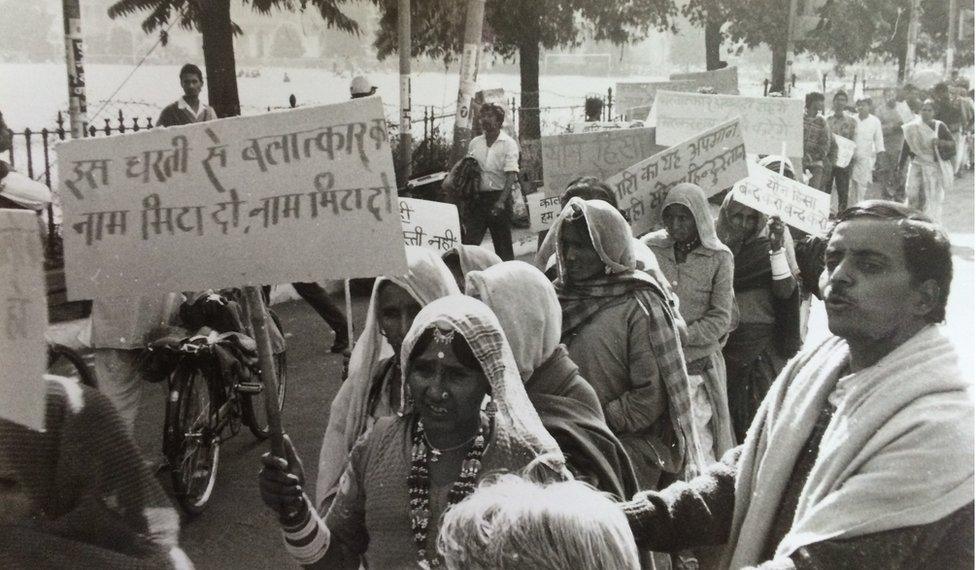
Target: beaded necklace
point(418, 482)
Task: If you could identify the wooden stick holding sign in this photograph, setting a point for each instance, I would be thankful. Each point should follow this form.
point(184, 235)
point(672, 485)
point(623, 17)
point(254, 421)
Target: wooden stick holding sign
point(269, 376)
point(349, 327)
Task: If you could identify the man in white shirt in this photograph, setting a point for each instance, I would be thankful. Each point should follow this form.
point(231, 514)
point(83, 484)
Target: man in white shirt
point(188, 108)
point(869, 138)
point(497, 153)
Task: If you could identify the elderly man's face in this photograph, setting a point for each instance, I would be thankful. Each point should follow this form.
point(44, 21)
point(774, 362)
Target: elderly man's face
point(868, 292)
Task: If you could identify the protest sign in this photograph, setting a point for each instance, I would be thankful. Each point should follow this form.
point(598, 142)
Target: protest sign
point(299, 195)
point(845, 151)
point(724, 81)
point(633, 94)
point(429, 224)
point(23, 351)
point(767, 122)
point(798, 205)
point(714, 160)
point(565, 157)
point(542, 210)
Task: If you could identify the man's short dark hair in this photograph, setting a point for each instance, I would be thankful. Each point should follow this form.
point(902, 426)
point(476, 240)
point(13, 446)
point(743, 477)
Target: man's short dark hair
point(815, 97)
point(841, 93)
point(925, 244)
point(494, 109)
point(191, 69)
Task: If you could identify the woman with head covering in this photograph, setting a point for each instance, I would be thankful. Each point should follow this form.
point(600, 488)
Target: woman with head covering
point(463, 259)
point(699, 267)
point(470, 417)
point(619, 328)
point(766, 293)
point(526, 305)
point(78, 493)
point(375, 387)
point(929, 150)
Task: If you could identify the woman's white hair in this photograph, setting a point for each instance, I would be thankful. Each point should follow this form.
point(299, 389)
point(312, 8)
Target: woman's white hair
point(511, 523)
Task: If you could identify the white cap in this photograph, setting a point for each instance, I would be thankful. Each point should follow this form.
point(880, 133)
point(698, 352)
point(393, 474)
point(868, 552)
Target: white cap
point(25, 191)
point(361, 86)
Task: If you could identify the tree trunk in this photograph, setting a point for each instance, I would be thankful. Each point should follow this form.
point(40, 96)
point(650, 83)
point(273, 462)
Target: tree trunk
point(529, 128)
point(713, 39)
point(218, 57)
point(902, 61)
point(778, 80)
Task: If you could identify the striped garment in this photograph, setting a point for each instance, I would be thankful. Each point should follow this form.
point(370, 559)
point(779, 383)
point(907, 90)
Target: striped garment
point(581, 302)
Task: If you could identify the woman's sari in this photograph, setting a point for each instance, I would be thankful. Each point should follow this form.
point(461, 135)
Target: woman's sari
point(930, 174)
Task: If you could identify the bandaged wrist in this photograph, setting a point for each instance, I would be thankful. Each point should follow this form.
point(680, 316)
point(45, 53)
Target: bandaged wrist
point(781, 267)
point(307, 541)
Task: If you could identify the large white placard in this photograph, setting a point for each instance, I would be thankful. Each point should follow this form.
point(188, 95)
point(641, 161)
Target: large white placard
point(714, 160)
point(299, 195)
point(23, 320)
point(767, 122)
point(600, 154)
point(542, 210)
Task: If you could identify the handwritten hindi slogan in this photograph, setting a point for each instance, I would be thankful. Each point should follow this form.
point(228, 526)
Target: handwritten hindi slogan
point(434, 225)
point(23, 320)
point(714, 160)
point(299, 195)
point(798, 205)
point(767, 122)
point(600, 154)
point(542, 210)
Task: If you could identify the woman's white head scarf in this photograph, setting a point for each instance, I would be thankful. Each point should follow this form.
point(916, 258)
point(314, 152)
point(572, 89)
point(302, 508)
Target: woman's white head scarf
point(473, 257)
point(517, 425)
point(692, 197)
point(527, 307)
point(427, 278)
point(611, 235)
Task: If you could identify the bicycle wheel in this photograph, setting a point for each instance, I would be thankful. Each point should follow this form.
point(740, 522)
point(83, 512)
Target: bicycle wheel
point(253, 406)
point(67, 362)
point(194, 444)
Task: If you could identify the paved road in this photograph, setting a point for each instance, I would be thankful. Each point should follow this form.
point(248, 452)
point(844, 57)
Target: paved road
point(237, 532)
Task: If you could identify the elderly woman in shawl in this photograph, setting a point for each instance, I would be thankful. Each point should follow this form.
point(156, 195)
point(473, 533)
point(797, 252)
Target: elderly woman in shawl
point(78, 493)
point(699, 267)
point(619, 328)
point(375, 387)
point(471, 416)
point(526, 305)
point(929, 150)
point(767, 296)
point(463, 259)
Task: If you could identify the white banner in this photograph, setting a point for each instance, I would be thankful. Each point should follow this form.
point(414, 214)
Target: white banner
point(298, 195)
point(429, 224)
point(798, 205)
point(724, 81)
point(845, 151)
point(767, 122)
point(714, 160)
point(600, 154)
point(23, 320)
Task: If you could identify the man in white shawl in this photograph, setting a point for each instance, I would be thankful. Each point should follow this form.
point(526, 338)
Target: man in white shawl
point(861, 455)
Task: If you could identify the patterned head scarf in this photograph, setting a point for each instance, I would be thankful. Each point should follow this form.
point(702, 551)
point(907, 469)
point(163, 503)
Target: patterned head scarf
point(527, 307)
point(517, 425)
point(426, 279)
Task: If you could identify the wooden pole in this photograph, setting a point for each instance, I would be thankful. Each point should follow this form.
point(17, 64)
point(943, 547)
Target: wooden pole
point(349, 325)
point(475, 20)
point(951, 38)
point(75, 60)
point(259, 323)
point(406, 137)
point(912, 39)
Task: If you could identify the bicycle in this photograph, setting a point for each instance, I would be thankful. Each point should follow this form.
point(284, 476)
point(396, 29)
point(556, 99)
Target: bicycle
point(68, 362)
point(205, 401)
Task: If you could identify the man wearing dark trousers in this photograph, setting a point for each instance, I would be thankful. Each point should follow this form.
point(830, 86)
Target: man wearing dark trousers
point(842, 125)
point(497, 154)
